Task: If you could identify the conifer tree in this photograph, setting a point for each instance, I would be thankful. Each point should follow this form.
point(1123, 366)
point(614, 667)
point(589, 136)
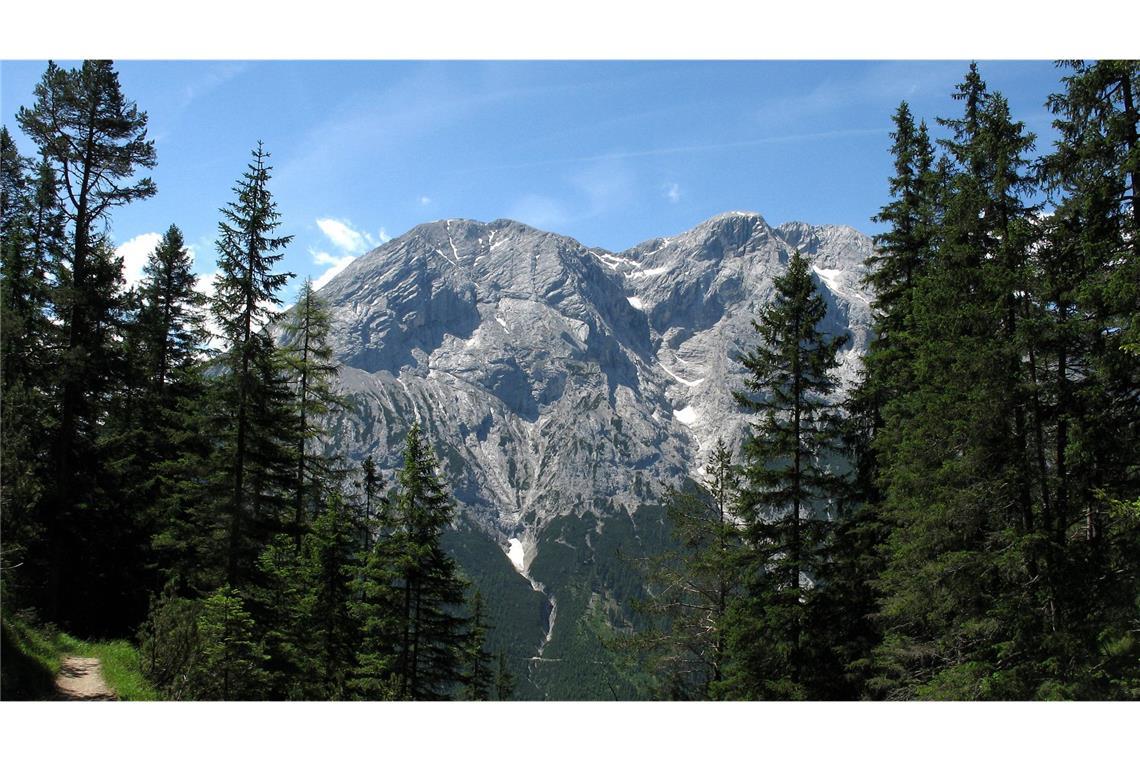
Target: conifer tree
point(431, 635)
point(162, 423)
point(24, 361)
point(961, 584)
point(504, 681)
point(478, 678)
point(786, 488)
point(1085, 373)
point(378, 600)
point(329, 564)
point(229, 663)
point(251, 405)
point(312, 371)
point(95, 140)
point(692, 586)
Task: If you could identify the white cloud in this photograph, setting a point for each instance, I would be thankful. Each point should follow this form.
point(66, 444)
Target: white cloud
point(135, 253)
point(424, 200)
point(673, 192)
point(350, 241)
point(344, 236)
point(205, 283)
point(335, 264)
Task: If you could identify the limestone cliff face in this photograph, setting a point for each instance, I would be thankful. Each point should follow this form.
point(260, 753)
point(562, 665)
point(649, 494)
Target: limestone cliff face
point(557, 378)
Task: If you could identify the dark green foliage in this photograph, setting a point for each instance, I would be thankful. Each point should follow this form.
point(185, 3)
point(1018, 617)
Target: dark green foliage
point(786, 491)
point(327, 574)
point(253, 453)
point(92, 141)
point(504, 681)
point(431, 636)
point(477, 675)
point(229, 664)
point(690, 587)
point(169, 644)
point(312, 372)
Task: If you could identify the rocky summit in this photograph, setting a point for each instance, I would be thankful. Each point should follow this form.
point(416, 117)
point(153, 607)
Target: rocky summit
point(558, 379)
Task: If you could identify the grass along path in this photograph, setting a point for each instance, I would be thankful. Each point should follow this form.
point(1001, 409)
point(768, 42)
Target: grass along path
point(35, 658)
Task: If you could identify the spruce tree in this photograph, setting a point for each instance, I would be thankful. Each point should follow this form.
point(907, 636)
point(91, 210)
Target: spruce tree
point(786, 488)
point(504, 681)
point(378, 600)
point(690, 587)
point(251, 408)
point(229, 662)
point(477, 678)
point(25, 335)
point(328, 571)
point(431, 627)
point(961, 586)
point(1085, 370)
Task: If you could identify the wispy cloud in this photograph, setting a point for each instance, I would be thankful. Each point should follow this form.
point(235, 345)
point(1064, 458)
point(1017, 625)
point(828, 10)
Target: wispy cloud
point(335, 264)
point(350, 241)
point(425, 200)
point(215, 77)
point(673, 192)
point(540, 211)
point(344, 236)
point(694, 148)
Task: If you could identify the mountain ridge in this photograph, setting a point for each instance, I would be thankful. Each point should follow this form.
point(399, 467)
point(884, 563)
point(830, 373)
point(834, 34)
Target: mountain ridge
point(502, 332)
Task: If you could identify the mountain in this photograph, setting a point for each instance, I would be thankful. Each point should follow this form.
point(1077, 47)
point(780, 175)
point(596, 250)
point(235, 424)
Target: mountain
point(565, 387)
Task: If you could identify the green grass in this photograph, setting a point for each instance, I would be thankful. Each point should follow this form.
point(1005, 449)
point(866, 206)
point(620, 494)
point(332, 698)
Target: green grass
point(121, 671)
point(32, 655)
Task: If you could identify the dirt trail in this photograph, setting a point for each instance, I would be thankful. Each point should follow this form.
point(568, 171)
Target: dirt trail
point(82, 678)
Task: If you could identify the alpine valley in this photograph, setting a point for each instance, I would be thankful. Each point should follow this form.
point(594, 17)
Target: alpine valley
point(564, 388)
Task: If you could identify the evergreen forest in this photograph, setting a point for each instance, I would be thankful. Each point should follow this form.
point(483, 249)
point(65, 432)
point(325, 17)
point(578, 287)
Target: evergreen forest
point(964, 524)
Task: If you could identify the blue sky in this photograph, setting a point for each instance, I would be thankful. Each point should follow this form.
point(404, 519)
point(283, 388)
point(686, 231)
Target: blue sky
point(610, 153)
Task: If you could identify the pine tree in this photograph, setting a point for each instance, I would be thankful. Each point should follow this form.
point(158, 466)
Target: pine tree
point(504, 681)
point(229, 663)
point(170, 442)
point(478, 678)
point(1085, 373)
point(312, 370)
point(378, 600)
point(25, 332)
point(280, 604)
point(329, 565)
point(786, 488)
point(961, 586)
point(95, 140)
point(252, 401)
point(691, 587)
point(431, 635)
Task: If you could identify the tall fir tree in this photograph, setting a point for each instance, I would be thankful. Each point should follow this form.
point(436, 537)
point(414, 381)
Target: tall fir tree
point(25, 361)
point(961, 587)
point(1085, 371)
point(787, 489)
point(431, 625)
point(251, 403)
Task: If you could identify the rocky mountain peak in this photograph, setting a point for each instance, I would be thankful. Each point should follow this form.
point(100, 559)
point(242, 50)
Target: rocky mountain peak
point(557, 378)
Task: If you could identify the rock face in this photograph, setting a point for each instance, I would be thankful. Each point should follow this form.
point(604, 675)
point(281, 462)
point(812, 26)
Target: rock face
point(557, 379)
